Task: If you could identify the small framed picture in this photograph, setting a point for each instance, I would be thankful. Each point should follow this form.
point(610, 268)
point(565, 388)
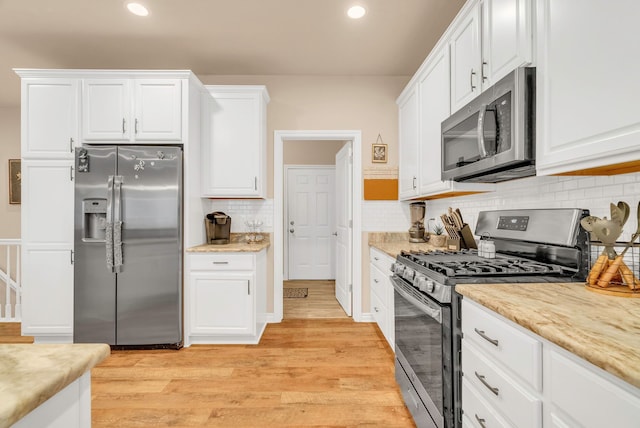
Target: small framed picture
point(379, 153)
point(15, 181)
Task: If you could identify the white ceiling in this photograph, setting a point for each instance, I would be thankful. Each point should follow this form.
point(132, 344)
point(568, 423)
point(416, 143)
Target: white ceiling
point(224, 37)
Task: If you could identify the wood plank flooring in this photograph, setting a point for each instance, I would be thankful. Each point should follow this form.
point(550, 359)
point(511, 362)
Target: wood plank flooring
point(304, 373)
point(320, 303)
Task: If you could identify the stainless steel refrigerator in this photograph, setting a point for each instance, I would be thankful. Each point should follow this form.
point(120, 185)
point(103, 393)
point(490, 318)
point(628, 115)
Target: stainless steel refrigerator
point(128, 245)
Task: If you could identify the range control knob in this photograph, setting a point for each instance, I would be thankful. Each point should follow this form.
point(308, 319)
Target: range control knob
point(430, 286)
point(420, 283)
point(408, 274)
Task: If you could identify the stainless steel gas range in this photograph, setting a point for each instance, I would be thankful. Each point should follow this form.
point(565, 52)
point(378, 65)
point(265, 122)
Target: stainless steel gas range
point(537, 245)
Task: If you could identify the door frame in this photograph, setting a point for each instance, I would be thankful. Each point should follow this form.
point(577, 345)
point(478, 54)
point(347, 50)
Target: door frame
point(287, 168)
point(279, 137)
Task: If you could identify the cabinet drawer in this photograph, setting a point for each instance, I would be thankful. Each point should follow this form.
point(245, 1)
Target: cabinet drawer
point(379, 282)
point(502, 392)
point(578, 390)
point(221, 261)
point(479, 412)
point(519, 352)
point(379, 311)
point(380, 260)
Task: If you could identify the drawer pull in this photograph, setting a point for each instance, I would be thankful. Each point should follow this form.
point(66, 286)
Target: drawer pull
point(484, 382)
point(376, 281)
point(481, 421)
point(220, 263)
point(376, 259)
point(487, 338)
point(376, 309)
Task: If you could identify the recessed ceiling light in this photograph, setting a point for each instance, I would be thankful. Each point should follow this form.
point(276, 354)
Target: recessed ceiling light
point(356, 12)
point(137, 9)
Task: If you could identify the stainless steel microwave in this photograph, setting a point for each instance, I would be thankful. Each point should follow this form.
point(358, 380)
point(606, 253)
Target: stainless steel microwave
point(492, 138)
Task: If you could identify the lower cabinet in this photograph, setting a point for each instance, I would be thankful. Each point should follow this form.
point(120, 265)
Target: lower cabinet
point(225, 298)
point(382, 294)
point(514, 378)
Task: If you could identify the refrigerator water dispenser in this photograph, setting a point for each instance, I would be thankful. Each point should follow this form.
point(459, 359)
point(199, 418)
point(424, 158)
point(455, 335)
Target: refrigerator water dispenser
point(94, 212)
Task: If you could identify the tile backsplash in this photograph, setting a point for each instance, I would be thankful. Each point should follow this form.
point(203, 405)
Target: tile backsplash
point(594, 193)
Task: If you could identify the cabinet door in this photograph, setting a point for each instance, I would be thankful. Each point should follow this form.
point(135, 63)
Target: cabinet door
point(47, 291)
point(466, 61)
point(434, 108)
point(47, 202)
point(233, 161)
point(507, 40)
point(106, 109)
point(588, 86)
point(222, 303)
point(158, 109)
point(408, 137)
point(49, 117)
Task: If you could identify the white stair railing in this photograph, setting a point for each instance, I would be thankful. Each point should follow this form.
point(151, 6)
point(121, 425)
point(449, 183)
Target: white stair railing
point(11, 298)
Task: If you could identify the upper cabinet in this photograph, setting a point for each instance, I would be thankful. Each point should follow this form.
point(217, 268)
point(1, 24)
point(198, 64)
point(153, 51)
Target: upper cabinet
point(588, 87)
point(49, 109)
point(234, 159)
point(488, 40)
point(131, 110)
point(422, 108)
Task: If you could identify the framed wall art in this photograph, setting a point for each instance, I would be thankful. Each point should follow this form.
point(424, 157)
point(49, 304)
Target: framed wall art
point(379, 153)
point(15, 181)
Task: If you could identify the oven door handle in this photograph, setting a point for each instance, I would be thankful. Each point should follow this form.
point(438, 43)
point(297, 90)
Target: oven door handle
point(431, 311)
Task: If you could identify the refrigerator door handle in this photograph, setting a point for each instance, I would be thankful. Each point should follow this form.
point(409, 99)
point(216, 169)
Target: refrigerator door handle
point(108, 233)
point(118, 258)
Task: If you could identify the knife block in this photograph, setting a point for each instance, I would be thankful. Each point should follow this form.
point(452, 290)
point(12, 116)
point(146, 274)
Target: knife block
point(467, 241)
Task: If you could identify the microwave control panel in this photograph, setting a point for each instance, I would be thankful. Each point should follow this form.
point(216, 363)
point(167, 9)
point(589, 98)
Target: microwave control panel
point(513, 223)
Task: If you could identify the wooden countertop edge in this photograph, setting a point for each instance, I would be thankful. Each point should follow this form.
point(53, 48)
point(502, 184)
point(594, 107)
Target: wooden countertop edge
point(620, 358)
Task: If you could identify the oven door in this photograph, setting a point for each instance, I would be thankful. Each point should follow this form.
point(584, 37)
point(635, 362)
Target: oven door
point(423, 350)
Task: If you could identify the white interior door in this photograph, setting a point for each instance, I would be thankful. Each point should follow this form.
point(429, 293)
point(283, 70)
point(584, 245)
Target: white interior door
point(311, 222)
point(344, 244)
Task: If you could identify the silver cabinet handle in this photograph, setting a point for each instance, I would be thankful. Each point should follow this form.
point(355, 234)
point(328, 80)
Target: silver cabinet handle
point(482, 334)
point(135, 126)
point(376, 281)
point(484, 78)
point(249, 288)
point(481, 421)
point(335, 233)
point(292, 222)
point(292, 230)
point(376, 309)
point(484, 382)
point(72, 260)
point(473, 73)
point(70, 173)
point(123, 126)
point(376, 259)
point(255, 183)
point(220, 263)
point(71, 145)
point(414, 182)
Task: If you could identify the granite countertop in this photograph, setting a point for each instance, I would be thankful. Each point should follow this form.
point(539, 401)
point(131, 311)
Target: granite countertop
point(237, 244)
point(604, 330)
point(30, 374)
point(394, 242)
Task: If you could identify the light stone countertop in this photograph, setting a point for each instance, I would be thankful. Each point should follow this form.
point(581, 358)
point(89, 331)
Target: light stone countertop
point(238, 244)
point(30, 374)
point(604, 330)
point(394, 242)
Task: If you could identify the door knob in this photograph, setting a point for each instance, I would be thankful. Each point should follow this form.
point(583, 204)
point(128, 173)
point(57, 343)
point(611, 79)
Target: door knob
point(291, 230)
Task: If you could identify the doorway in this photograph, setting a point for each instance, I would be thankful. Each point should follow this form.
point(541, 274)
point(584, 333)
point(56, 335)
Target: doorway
point(354, 196)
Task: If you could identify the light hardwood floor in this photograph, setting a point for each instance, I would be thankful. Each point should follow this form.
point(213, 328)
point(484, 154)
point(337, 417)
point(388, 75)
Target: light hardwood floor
point(320, 303)
point(304, 373)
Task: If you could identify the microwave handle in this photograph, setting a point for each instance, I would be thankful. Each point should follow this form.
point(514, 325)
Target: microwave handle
point(481, 145)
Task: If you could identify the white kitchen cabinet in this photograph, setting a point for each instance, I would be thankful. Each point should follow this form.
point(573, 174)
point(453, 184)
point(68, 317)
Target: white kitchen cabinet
point(226, 298)
point(488, 40)
point(47, 249)
point(588, 87)
point(131, 110)
point(234, 157)
point(409, 146)
point(423, 106)
point(382, 294)
point(535, 382)
point(49, 109)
